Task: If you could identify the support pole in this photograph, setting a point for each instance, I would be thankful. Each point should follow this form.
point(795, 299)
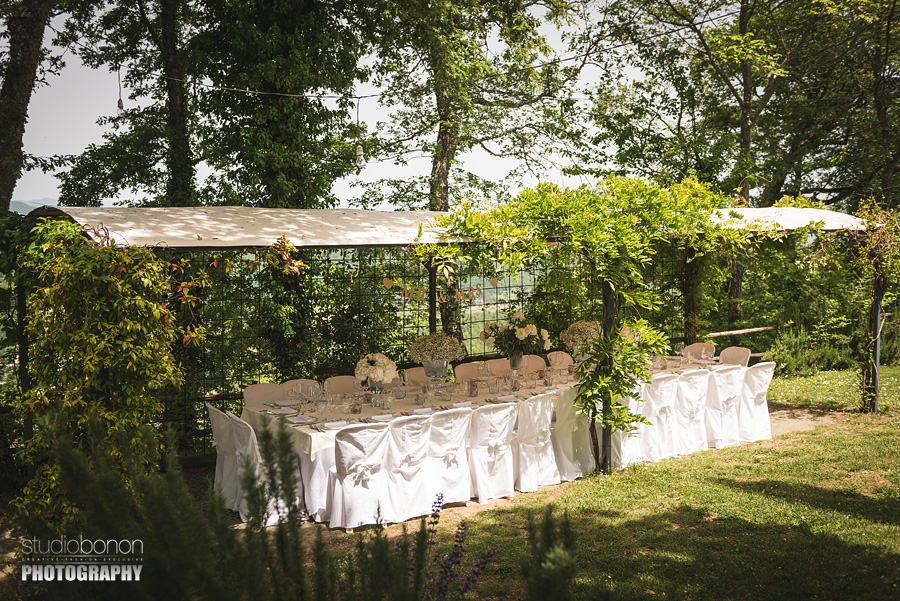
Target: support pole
point(432, 297)
point(871, 384)
point(690, 291)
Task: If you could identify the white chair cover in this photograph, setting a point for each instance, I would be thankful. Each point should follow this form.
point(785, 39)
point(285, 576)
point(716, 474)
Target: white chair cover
point(753, 412)
point(499, 367)
point(265, 393)
point(358, 484)
point(490, 453)
point(226, 457)
point(467, 371)
point(531, 364)
point(571, 438)
point(415, 376)
point(342, 385)
point(411, 489)
point(722, 397)
point(735, 355)
point(447, 461)
point(690, 411)
point(699, 350)
point(629, 447)
point(248, 457)
point(294, 389)
point(560, 359)
point(534, 462)
point(659, 438)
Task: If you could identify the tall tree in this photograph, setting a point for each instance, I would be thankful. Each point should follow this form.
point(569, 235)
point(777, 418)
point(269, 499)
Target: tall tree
point(24, 22)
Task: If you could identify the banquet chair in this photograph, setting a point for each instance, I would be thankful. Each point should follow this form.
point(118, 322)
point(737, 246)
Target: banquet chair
point(571, 438)
point(659, 440)
point(499, 367)
point(415, 376)
point(447, 462)
point(358, 484)
point(699, 350)
point(753, 409)
point(690, 411)
point(226, 457)
point(342, 385)
point(735, 355)
point(722, 396)
point(467, 371)
point(560, 359)
point(628, 447)
point(532, 363)
point(534, 463)
point(411, 491)
point(265, 393)
point(296, 389)
point(490, 455)
point(249, 458)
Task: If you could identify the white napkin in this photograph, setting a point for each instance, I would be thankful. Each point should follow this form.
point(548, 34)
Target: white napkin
point(335, 425)
point(423, 411)
point(281, 411)
point(462, 404)
point(301, 419)
point(508, 397)
point(382, 418)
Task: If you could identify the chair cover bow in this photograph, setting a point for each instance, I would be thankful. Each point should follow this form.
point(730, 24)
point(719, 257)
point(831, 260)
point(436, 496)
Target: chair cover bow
point(361, 473)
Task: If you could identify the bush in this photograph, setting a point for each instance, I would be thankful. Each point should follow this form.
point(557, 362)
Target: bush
point(796, 352)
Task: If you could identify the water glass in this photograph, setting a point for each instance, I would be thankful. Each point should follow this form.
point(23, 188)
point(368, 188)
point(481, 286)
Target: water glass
point(494, 385)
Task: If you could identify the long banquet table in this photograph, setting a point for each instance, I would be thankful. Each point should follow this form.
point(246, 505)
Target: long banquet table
point(315, 443)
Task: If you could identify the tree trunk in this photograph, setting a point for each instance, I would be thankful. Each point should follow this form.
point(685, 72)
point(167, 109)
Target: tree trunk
point(608, 322)
point(180, 187)
point(871, 388)
point(25, 30)
point(745, 156)
point(444, 152)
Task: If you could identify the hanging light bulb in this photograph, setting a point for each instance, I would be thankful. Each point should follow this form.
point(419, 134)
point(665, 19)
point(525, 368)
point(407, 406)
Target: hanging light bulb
point(121, 106)
point(121, 110)
point(360, 155)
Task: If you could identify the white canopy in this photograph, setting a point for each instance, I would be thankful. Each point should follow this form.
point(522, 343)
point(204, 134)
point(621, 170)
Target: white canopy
point(249, 227)
point(787, 218)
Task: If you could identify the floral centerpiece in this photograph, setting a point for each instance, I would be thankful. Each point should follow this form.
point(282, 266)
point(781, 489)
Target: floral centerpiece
point(376, 369)
point(436, 347)
point(515, 338)
point(579, 336)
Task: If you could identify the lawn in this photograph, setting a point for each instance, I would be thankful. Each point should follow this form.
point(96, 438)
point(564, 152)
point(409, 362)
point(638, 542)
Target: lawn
point(809, 515)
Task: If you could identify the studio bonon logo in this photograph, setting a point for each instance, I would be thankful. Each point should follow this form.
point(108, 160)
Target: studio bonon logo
point(69, 559)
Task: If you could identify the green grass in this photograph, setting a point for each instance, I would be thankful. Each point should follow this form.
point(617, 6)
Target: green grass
point(809, 515)
point(833, 390)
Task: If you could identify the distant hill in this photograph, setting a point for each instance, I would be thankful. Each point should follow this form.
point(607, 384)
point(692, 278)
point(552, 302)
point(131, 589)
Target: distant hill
point(26, 206)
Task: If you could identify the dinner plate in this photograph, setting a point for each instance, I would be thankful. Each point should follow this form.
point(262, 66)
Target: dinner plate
point(281, 411)
point(335, 425)
point(289, 403)
point(423, 411)
point(302, 420)
point(381, 418)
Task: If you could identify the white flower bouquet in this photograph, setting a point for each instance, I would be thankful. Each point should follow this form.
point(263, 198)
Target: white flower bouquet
point(436, 347)
point(579, 336)
point(377, 368)
point(515, 338)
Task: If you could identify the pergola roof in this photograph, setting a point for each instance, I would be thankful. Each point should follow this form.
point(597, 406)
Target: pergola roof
point(251, 227)
point(788, 218)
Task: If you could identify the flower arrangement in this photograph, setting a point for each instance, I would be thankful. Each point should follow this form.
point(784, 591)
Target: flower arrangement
point(579, 336)
point(515, 338)
point(376, 367)
point(436, 347)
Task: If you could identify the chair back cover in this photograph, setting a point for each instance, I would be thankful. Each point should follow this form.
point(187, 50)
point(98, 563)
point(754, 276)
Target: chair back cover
point(490, 455)
point(265, 393)
point(499, 367)
point(571, 438)
point(722, 397)
point(699, 350)
point(359, 489)
point(299, 388)
point(532, 363)
point(248, 458)
point(735, 355)
point(629, 447)
point(415, 376)
point(560, 359)
point(226, 457)
point(342, 385)
point(467, 371)
point(534, 461)
point(690, 411)
point(448, 463)
point(753, 412)
point(659, 405)
point(411, 488)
